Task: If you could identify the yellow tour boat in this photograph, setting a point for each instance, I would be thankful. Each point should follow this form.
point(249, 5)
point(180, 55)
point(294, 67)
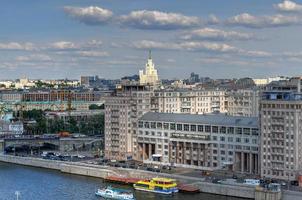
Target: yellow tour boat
point(157, 185)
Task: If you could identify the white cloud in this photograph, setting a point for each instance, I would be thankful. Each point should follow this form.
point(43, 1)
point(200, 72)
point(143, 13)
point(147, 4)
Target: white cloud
point(93, 53)
point(67, 45)
point(250, 21)
point(63, 45)
point(34, 57)
point(92, 15)
point(288, 6)
point(213, 20)
point(17, 46)
point(189, 46)
point(216, 34)
point(144, 19)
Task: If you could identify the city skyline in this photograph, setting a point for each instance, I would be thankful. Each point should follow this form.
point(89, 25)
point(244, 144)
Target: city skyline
point(111, 39)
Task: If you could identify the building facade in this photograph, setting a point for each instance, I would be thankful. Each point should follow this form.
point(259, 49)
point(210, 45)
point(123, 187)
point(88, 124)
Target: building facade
point(209, 141)
point(196, 101)
point(281, 134)
point(243, 103)
point(122, 111)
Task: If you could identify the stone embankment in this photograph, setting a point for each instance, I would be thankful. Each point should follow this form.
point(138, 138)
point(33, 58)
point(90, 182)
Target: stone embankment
point(104, 171)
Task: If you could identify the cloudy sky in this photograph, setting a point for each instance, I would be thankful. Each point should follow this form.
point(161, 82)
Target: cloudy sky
point(111, 38)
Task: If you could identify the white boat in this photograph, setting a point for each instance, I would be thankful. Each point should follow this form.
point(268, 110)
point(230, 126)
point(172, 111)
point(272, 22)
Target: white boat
point(115, 193)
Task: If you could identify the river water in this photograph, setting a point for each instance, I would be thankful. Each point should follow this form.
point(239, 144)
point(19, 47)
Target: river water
point(44, 184)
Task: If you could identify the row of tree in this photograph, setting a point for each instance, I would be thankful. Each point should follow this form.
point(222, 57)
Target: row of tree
point(37, 123)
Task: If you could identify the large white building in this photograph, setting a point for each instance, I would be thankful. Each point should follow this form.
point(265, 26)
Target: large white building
point(209, 141)
point(149, 76)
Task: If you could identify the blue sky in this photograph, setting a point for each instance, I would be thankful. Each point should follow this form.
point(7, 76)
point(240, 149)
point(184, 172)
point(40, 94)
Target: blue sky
point(111, 38)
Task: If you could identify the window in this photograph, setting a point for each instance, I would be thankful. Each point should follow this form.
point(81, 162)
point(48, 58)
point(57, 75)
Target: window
point(140, 124)
point(238, 130)
point(238, 139)
point(193, 128)
point(146, 125)
point(222, 139)
point(215, 129)
point(172, 126)
point(254, 131)
point(166, 126)
point(153, 125)
point(200, 128)
point(230, 139)
point(186, 127)
point(230, 130)
point(208, 129)
point(159, 125)
point(214, 137)
point(222, 129)
point(246, 131)
point(179, 127)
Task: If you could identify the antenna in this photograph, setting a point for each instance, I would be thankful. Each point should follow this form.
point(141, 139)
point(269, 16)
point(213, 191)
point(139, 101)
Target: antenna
point(150, 57)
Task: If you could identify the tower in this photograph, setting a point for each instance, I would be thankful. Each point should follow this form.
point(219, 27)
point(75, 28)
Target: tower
point(149, 76)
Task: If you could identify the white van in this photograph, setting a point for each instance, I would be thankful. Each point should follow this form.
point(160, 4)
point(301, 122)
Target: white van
point(253, 182)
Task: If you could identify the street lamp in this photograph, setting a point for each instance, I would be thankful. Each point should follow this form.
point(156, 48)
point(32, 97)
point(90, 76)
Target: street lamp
point(17, 193)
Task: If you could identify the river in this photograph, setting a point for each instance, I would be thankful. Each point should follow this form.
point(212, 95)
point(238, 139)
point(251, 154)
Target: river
point(43, 184)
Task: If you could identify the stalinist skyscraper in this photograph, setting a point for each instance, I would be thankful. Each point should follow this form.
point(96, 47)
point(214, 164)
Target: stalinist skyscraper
point(150, 76)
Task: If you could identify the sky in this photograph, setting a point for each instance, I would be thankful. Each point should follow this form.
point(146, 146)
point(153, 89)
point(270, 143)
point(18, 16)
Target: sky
point(110, 38)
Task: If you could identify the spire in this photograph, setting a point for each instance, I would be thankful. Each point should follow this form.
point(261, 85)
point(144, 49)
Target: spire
point(150, 54)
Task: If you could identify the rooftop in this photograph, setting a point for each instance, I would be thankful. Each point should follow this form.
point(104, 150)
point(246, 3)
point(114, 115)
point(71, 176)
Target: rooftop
point(213, 119)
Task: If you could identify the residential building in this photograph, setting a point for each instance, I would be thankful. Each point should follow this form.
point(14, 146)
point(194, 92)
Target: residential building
point(281, 130)
point(243, 102)
point(122, 111)
point(194, 101)
point(208, 141)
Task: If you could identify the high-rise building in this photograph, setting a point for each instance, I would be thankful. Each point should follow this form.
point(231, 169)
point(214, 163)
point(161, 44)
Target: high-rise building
point(122, 111)
point(281, 130)
point(149, 77)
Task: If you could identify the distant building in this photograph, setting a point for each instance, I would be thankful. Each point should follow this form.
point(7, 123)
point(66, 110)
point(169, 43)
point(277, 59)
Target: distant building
point(149, 76)
point(243, 102)
point(193, 101)
point(194, 78)
point(210, 141)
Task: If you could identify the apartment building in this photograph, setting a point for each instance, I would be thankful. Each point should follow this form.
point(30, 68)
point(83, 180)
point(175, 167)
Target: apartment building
point(196, 101)
point(243, 102)
point(122, 111)
point(281, 131)
point(205, 141)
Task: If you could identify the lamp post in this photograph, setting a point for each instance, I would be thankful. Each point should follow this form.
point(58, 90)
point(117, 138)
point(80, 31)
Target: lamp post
point(17, 193)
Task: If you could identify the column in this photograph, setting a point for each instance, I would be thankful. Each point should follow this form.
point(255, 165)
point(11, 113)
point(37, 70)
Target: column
point(144, 151)
point(251, 163)
point(184, 146)
point(198, 153)
point(150, 152)
point(242, 163)
point(191, 153)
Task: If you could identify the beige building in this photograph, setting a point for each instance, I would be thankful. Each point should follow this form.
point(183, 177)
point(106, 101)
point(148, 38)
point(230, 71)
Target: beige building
point(196, 101)
point(149, 76)
point(122, 111)
point(281, 131)
point(243, 103)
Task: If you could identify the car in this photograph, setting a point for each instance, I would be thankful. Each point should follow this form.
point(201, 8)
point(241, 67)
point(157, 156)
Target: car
point(217, 181)
point(294, 183)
